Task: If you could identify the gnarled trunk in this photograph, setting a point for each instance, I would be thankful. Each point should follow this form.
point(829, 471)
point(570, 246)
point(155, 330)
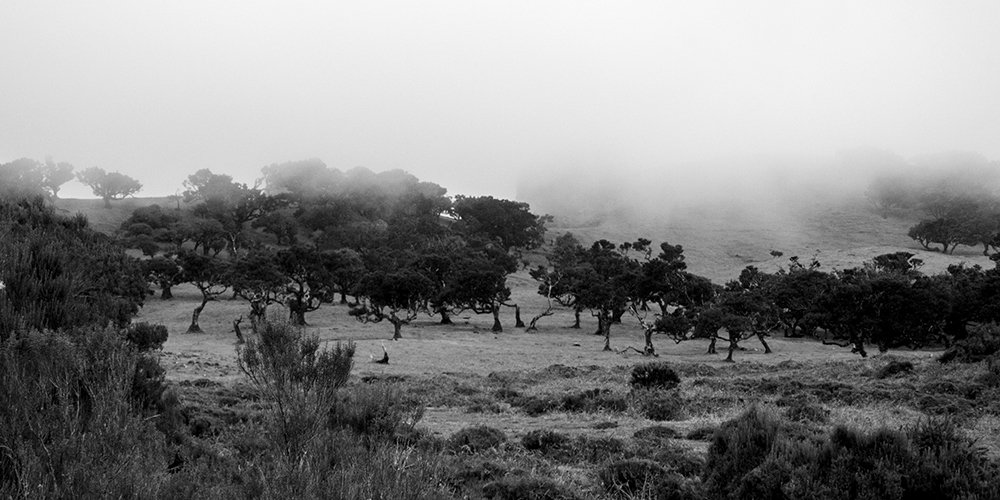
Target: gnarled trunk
point(517, 317)
point(497, 327)
point(165, 293)
point(576, 318)
point(397, 325)
point(195, 327)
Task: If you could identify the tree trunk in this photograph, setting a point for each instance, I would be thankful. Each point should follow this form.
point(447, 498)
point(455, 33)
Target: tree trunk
point(616, 316)
point(733, 339)
point(517, 317)
point(576, 316)
point(711, 346)
point(767, 348)
point(195, 327)
point(107, 202)
point(165, 293)
point(497, 327)
point(445, 318)
point(343, 298)
point(397, 325)
point(649, 350)
point(236, 328)
point(297, 312)
point(604, 320)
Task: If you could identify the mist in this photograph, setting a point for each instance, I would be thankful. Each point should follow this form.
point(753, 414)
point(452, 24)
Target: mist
point(727, 98)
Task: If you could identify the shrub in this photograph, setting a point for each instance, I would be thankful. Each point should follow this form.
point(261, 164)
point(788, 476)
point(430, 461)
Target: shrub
point(636, 478)
point(593, 400)
point(656, 375)
point(595, 450)
point(983, 341)
point(527, 488)
point(656, 434)
point(376, 411)
point(476, 439)
point(145, 336)
point(544, 441)
point(289, 369)
point(805, 411)
point(894, 367)
point(702, 433)
point(739, 446)
point(659, 406)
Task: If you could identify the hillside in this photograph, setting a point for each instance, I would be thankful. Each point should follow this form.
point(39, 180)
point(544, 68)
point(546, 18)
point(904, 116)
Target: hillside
point(107, 220)
point(719, 241)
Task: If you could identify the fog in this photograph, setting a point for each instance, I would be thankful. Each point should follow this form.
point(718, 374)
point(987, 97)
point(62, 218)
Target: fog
point(487, 97)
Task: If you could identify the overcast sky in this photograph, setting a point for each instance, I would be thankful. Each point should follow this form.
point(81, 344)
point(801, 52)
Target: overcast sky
point(471, 94)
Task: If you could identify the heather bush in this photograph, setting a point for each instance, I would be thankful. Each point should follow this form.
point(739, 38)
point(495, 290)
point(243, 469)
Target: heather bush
point(68, 427)
point(297, 378)
point(377, 411)
point(544, 441)
point(893, 368)
point(660, 405)
point(476, 439)
point(983, 341)
point(145, 336)
point(658, 375)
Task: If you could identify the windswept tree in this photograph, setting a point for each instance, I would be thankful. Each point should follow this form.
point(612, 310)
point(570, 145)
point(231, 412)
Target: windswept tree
point(108, 185)
point(165, 272)
point(605, 283)
point(256, 278)
point(509, 223)
point(233, 205)
point(478, 281)
point(555, 281)
point(54, 175)
point(209, 275)
point(307, 280)
point(393, 290)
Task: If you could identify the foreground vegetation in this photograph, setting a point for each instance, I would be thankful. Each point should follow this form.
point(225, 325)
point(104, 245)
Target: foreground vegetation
point(87, 408)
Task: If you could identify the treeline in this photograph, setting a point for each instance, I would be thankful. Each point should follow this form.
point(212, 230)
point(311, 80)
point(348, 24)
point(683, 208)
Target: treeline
point(887, 302)
point(307, 233)
point(27, 178)
point(956, 206)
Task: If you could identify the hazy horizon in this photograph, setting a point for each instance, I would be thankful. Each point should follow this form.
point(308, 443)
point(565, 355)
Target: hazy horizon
point(481, 97)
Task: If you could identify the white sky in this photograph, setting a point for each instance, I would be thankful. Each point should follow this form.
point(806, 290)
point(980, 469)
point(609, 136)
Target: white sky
point(471, 94)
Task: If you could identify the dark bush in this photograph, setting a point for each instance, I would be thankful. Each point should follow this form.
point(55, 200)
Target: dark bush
point(983, 341)
point(476, 439)
point(702, 433)
point(739, 446)
point(377, 411)
point(544, 441)
point(527, 488)
point(595, 450)
point(659, 406)
point(472, 470)
point(656, 433)
point(895, 367)
point(593, 400)
point(640, 478)
point(804, 411)
point(145, 336)
point(658, 375)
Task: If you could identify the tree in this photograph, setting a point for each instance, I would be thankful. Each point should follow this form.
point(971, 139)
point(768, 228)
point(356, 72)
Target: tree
point(509, 223)
point(165, 272)
point(54, 175)
point(209, 275)
point(256, 278)
point(231, 204)
point(605, 283)
point(346, 272)
point(393, 290)
point(22, 178)
point(109, 185)
point(478, 281)
point(557, 282)
point(307, 280)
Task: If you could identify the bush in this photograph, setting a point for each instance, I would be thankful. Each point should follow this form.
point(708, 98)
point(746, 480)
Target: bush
point(659, 406)
point(894, 367)
point(527, 488)
point(656, 375)
point(702, 433)
point(377, 411)
point(288, 369)
point(656, 434)
point(805, 411)
point(544, 441)
point(476, 439)
point(68, 427)
point(145, 336)
point(644, 479)
point(739, 446)
point(983, 341)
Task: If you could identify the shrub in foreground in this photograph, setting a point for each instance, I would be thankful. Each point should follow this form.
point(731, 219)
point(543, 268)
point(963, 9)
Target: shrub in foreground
point(527, 488)
point(145, 336)
point(658, 375)
point(476, 439)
